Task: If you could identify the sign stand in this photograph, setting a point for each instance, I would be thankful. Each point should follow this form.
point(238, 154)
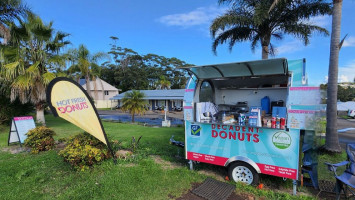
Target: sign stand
point(18, 129)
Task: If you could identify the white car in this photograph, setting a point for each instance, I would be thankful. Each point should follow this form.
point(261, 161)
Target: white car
point(351, 113)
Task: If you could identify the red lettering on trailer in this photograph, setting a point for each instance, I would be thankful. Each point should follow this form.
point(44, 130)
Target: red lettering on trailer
point(249, 134)
point(232, 135)
point(264, 168)
point(216, 160)
point(241, 136)
point(223, 134)
point(214, 133)
point(278, 171)
point(256, 138)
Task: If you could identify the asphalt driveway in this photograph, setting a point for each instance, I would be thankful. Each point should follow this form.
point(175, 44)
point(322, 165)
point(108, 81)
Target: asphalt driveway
point(349, 135)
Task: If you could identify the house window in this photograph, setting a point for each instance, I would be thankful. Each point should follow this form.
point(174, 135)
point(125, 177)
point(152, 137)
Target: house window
point(106, 92)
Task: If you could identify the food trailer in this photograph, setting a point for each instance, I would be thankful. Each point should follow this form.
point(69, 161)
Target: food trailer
point(249, 116)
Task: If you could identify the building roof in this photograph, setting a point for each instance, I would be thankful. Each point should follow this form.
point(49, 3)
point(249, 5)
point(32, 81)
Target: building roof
point(106, 86)
point(175, 94)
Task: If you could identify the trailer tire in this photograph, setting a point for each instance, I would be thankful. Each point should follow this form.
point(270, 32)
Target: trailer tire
point(243, 172)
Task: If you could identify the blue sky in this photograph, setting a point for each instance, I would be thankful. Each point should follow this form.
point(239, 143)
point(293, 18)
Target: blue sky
point(180, 28)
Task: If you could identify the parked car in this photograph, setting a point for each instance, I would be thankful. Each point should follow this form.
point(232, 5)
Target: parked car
point(351, 113)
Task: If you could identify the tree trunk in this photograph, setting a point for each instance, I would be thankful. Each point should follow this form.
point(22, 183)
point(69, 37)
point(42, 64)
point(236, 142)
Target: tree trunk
point(102, 87)
point(40, 115)
point(265, 52)
point(133, 118)
point(265, 42)
point(88, 85)
point(103, 90)
point(331, 139)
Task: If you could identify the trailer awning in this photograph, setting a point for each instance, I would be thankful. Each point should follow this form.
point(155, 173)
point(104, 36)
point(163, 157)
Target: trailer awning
point(239, 69)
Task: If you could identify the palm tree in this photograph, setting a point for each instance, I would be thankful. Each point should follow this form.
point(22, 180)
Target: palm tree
point(134, 103)
point(163, 83)
point(30, 59)
point(250, 20)
point(10, 10)
point(331, 139)
point(84, 65)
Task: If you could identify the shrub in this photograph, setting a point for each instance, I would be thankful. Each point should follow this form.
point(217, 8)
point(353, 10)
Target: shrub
point(83, 151)
point(10, 109)
point(135, 143)
point(40, 139)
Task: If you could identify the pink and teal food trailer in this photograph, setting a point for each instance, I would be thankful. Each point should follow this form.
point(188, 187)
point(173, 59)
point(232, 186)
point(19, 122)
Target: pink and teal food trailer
point(221, 127)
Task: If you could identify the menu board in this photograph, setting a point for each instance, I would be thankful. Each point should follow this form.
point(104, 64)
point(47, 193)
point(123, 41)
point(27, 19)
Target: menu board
point(304, 96)
point(19, 127)
point(301, 119)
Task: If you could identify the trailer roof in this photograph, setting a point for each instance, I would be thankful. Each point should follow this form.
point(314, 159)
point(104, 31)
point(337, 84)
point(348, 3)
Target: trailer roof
point(240, 69)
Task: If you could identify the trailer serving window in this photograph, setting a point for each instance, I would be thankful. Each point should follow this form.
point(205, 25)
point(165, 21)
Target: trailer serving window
point(206, 92)
point(235, 88)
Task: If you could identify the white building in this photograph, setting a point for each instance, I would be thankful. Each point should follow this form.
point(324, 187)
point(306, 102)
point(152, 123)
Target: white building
point(101, 92)
point(159, 99)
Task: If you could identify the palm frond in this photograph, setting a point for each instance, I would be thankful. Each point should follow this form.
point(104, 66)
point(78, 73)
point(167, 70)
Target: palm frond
point(48, 77)
point(33, 70)
point(264, 20)
point(303, 31)
point(232, 36)
point(12, 70)
point(273, 5)
point(228, 20)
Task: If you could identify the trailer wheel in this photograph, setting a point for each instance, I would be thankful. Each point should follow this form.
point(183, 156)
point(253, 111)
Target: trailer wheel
point(243, 172)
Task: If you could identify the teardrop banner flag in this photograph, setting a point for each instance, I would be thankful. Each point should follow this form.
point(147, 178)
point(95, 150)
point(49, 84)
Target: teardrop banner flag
point(68, 100)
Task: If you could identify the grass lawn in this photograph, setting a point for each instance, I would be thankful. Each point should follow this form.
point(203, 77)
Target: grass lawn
point(46, 176)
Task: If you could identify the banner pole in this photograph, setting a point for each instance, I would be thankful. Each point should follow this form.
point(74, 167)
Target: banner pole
point(90, 100)
point(112, 153)
point(107, 142)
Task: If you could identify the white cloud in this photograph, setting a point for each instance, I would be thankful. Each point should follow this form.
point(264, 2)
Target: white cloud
point(289, 47)
point(346, 73)
point(342, 78)
point(322, 21)
point(349, 42)
point(199, 16)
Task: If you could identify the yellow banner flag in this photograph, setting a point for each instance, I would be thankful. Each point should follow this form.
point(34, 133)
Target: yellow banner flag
point(68, 100)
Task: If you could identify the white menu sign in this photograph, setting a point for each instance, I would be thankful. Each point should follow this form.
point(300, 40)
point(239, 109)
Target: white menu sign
point(19, 127)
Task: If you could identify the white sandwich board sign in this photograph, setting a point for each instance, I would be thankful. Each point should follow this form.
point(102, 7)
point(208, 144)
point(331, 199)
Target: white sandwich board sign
point(19, 127)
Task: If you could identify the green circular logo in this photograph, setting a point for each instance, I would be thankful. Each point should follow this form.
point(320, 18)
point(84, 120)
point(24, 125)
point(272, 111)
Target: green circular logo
point(281, 140)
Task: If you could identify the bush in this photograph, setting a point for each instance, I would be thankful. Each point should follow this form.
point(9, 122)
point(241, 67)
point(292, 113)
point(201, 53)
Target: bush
point(10, 109)
point(40, 139)
point(83, 151)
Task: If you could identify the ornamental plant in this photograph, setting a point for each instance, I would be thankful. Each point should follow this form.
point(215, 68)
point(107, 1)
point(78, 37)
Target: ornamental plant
point(83, 151)
point(40, 139)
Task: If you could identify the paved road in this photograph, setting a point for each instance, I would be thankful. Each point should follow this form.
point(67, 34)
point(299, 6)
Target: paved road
point(148, 114)
point(348, 136)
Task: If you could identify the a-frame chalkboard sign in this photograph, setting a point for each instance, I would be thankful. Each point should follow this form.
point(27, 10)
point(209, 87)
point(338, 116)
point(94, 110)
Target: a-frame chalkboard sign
point(19, 127)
